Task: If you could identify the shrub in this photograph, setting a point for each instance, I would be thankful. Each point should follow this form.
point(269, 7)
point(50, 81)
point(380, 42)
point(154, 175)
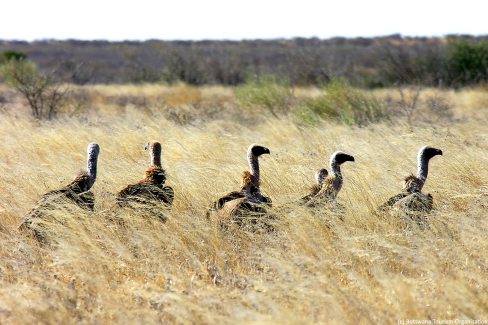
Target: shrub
point(7, 56)
point(44, 95)
point(343, 103)
point(266, 92)
point(409, 65)
point(467, 62)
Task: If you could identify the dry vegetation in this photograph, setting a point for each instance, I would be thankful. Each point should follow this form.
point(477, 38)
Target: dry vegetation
point(316, 268)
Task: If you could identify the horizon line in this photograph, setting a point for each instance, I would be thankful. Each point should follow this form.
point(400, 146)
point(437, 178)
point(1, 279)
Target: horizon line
point(244, 39)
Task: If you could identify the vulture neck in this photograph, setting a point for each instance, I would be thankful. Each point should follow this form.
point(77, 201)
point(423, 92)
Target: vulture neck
point(253, 166)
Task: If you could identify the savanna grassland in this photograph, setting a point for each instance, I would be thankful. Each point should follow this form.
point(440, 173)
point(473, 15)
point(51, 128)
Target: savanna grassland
point(363, 268)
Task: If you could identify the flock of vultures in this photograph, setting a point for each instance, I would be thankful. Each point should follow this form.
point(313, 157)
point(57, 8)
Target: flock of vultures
point(247, 206)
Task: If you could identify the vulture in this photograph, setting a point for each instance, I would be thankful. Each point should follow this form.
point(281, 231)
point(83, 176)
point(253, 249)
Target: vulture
point(152, 187)
point(411, 199)
point(249, 178)
point(77, 192)
point(320, 176)
point(332, 184)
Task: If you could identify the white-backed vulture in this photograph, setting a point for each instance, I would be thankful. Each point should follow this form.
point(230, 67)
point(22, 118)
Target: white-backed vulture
point(332, 184)
point(152, 187)
point(77, 192)
point(250, 180)
point(411, 198)
point(320, 176)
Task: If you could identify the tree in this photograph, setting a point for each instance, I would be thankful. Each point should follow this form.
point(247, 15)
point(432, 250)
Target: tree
point(467, 62)
point(44, 95)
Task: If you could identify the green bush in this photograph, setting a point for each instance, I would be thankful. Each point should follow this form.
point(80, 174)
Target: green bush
point(266, 92)
point(467, 62)
point(343, 103)
point(7, 56)
point(15, 72)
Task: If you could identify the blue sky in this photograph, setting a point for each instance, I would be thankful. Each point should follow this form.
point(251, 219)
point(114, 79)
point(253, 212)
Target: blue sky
point(250, 19)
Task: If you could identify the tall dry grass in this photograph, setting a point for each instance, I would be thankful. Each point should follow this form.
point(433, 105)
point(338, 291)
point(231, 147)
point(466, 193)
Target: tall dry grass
point(316, 268)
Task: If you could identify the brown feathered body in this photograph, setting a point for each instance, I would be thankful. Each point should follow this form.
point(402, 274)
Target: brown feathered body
point(314, 190)
point(410, 186)
point(248, 210)
point(328, 193)
point(320, 176)
point(244, 214)
point(245, 208)
point(152, 188)
point(52, 201)
point(76, 191)
point(415, 202)
point(249, 190)
point(149, 190)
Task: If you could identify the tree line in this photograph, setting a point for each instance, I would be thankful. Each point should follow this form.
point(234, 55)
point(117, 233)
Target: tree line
point(454, 60)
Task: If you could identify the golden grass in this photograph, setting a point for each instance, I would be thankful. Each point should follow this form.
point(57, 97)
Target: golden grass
point(314, 269)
